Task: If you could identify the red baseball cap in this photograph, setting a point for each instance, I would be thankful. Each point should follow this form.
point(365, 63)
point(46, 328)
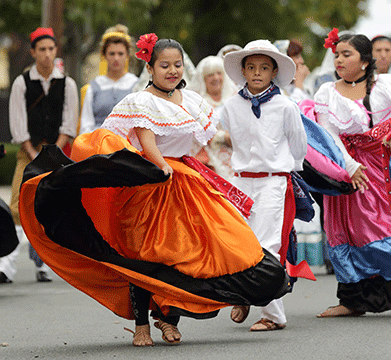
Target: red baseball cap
point(41, 33)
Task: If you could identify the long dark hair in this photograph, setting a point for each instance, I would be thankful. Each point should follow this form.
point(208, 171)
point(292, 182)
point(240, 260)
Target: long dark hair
point(364, 46)
point(163, 44)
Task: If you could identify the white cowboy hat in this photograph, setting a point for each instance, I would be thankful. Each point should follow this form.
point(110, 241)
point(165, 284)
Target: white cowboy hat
point(233, 62)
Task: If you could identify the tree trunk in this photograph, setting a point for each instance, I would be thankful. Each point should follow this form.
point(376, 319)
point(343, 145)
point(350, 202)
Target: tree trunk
point(53, 16)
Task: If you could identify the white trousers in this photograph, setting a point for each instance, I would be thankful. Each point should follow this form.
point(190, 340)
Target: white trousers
point(266, 221)
point(8, 263)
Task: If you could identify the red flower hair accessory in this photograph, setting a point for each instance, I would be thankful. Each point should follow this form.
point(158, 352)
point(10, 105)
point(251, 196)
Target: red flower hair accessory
point(146, 44)
point(331, 40)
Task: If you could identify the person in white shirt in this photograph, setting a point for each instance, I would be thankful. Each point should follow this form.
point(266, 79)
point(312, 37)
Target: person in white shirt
point(105, 91)
point(269, 141)
point(43, 109)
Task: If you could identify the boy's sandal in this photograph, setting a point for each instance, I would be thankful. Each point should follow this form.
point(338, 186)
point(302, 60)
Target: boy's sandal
point(142, 335)
point(239, 313)
point(340, 311)
point(266, 325)
point(168, 331)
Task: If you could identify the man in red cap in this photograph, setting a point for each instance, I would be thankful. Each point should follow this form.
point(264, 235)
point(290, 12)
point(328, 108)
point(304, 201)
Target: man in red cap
point(43, 109)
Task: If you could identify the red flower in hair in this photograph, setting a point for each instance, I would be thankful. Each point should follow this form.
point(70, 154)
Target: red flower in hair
point(146, 44)
point(332, 38)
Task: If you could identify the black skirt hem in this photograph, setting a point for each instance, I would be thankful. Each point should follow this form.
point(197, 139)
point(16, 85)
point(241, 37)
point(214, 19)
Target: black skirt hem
point(368, 295)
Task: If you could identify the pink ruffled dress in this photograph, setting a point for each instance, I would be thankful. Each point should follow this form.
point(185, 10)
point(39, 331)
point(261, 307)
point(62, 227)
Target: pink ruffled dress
point(358, 226)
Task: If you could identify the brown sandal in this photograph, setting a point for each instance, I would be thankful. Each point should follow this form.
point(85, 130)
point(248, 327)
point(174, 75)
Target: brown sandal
point(168, 331)
point(267, 325)
point(239, 313)
point(142, 335)
point(340, 311)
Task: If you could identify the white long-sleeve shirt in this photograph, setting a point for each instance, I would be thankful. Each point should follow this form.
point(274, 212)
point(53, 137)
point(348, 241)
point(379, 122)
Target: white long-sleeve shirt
point(276, 142)
point(18, 109)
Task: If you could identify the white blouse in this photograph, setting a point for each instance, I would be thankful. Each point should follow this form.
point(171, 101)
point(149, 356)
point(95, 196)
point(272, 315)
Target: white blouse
point(174, 126)
point(340, 115)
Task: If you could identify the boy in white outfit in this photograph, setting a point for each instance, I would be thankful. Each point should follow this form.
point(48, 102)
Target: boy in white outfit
point(269, 141)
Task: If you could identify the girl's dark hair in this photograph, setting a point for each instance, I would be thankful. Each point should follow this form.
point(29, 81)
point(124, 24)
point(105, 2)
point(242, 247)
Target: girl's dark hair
point(274, 62)
point(163, 44)
point(364, 46)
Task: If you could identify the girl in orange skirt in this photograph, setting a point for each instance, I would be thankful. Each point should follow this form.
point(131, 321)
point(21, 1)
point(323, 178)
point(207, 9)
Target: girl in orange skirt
point(161, 226)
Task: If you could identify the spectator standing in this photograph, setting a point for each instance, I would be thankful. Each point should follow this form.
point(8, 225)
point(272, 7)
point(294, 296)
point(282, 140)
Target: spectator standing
point(105, 91)
point(43, 110)
point(212, 83)
point(381, 51)
point(296, 89)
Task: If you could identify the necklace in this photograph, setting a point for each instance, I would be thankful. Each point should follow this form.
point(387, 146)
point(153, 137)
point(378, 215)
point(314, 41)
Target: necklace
point(168, 92)
point(362, 78)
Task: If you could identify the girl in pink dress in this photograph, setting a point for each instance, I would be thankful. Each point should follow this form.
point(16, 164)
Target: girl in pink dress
point(356, 111)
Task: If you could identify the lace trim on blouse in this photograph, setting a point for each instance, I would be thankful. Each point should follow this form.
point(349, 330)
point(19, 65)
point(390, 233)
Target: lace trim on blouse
point(164, 118)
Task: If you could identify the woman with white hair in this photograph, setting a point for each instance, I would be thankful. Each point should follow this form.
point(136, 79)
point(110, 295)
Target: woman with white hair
point(228, 48)
point(213, 84)
point(211, 81)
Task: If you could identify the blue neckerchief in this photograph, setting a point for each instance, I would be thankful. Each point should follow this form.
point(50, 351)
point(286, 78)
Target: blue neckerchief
point(256, 101)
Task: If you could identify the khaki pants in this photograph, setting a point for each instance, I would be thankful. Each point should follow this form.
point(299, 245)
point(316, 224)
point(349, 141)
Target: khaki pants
point(22, 160)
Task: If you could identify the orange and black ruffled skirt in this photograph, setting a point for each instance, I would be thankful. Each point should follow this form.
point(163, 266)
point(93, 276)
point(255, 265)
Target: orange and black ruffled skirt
point(109, 217)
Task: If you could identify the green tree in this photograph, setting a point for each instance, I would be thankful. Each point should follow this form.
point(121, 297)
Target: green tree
point(202, 26)
point(205, 26)
point(85, 22)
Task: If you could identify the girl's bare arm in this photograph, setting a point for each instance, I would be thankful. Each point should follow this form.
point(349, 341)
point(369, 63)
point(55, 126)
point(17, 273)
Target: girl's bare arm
point(151, 151)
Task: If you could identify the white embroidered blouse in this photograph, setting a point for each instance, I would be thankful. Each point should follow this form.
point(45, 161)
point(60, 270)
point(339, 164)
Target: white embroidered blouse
point(173, 125)
point(340, 115)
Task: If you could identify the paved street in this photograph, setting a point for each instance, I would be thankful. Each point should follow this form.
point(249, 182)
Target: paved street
point(56, 321)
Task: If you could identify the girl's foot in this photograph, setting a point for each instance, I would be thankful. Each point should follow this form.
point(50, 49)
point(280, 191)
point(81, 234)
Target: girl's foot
point(142, 336)
point(340, 310)
point(239, 313)
point(170, 333)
